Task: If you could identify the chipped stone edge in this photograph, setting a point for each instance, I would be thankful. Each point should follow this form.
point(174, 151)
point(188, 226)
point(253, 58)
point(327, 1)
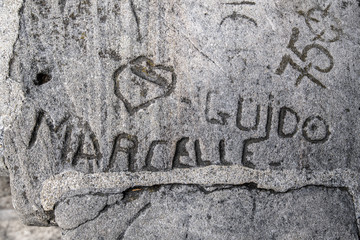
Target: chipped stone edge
point(72, 183)
point(11, 95)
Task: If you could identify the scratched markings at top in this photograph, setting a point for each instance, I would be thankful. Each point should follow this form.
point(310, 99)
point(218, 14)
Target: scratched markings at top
point(232, 87)
point(113, 86)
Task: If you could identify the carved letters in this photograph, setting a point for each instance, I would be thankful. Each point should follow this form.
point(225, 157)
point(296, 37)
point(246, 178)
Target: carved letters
point(124, 144)
point(325, 34)
point(80, 147)
point(73, 149)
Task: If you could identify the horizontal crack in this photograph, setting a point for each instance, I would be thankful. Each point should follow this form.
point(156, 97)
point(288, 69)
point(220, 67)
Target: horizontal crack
point(70, 183)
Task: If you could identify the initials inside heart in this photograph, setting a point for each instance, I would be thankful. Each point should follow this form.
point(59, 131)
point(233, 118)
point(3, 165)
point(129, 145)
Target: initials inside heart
point(140, 83)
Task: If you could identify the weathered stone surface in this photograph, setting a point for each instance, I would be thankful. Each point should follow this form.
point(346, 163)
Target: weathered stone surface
point(10, 91)
point(11, 228)
point(192, 212)
point(111, 95)
point(77, 210)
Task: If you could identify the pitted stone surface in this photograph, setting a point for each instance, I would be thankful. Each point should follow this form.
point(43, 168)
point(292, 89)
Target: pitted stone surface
point(111, 95)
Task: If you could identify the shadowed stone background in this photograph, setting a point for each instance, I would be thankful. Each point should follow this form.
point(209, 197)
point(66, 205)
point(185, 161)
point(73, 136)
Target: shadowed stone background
point(11, 227)
point(182, 119)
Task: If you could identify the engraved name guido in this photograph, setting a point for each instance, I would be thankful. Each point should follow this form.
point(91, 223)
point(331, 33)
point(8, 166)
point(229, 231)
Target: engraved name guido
point(141, 83)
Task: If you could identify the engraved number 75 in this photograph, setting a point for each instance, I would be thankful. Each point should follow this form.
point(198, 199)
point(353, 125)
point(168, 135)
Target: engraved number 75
point(286, 59)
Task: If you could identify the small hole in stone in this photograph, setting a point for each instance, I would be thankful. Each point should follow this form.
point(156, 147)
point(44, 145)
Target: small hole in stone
point(42, 78)
point(313, 127)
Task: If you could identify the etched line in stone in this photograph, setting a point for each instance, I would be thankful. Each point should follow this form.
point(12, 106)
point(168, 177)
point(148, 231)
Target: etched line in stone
point(222, 153)
point(303, 55)
point(129, 151)
point(240, 3)
point(80, 151)
point(71, 183)
point(239, 117)
point(311, 125)
point(236, 16)
point(136, 216)
point(223, 116)
point(248, 142)
point(53, 129)
point(199, 160)
point(137, 20)
point(282, 114)
point(180, 151)
point(312, 21)
point(148, 166)
point(287, 60)
point(66, 143)
point(35, 130)
point(145, 70)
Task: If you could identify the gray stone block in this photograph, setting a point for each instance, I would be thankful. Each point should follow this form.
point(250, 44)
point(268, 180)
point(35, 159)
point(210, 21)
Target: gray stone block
point(100, 97)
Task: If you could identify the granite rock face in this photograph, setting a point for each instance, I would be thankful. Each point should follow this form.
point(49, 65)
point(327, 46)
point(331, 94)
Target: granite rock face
point(109, 96)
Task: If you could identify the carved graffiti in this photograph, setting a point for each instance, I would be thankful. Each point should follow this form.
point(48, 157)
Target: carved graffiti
point(314, 129)
point(148, 164)
point(322, 24)
point(223, 116)
point(304, 72)
point(80, 149)
point(250, 141)
point(239, 117)
point(326, 28)
point(237, 16)
point(137, 19)
point(82, 154)
point(284, 111)
point(140, 83)
point(123, 153)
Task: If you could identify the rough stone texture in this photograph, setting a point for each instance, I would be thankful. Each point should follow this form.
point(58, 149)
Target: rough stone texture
point(192, 212)
point(11, 228)
point(103, 96)
point(5, 193)
point(69, 215)
point(10, 91)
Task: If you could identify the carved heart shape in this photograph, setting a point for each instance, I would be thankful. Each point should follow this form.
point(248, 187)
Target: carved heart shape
point(140, 83)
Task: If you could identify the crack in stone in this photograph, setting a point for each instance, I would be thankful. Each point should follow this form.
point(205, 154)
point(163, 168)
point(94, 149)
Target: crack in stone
point(71, 183)
point(132, 220)
point(103, 210)
point(218, 188)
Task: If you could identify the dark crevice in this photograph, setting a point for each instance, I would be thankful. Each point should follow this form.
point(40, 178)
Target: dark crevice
point(36, 128)
point(42, 78)
point(134, 193)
